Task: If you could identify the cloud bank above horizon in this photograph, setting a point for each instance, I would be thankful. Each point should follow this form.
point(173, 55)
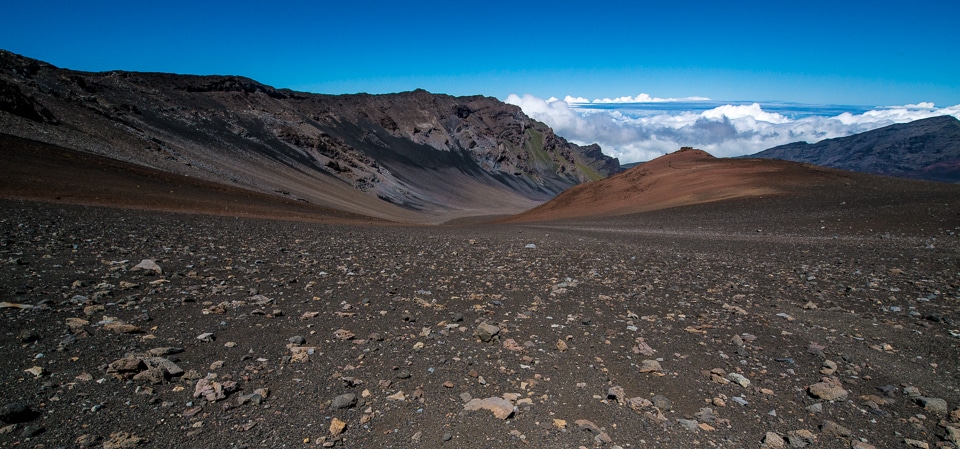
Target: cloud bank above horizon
point(643, 127)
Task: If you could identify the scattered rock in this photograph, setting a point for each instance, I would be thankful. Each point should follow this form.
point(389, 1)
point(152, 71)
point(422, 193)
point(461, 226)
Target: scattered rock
point(17, 412)
point(829, 389)
point(661, 402)
point(650, 366)
point(773, 440)
point(800, 438)
point(828, 367)
point(206, 337)
point(212, 390)
point(589, 426)
point(148, 265)
point(123, 440)
point(616, 393)
point(739, 379)
point(343, 401)
point(337, 427)
point(833, 429)
point(121, 328)
point(486, 331)
point(343, 335)
point(500, 407)
point(936, 406)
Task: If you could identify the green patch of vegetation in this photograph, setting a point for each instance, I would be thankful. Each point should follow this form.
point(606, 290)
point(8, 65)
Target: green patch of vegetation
point(533, 144)
point(589, 172)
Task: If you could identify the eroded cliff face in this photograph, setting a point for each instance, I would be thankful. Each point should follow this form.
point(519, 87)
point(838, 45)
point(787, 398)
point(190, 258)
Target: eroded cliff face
point(416, 150)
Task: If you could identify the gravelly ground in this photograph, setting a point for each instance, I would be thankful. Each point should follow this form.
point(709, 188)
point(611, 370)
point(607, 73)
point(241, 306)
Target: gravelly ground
point(389, 314)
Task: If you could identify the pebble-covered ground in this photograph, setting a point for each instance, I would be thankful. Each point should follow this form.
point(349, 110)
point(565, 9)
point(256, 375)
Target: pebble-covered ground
point(141, 329)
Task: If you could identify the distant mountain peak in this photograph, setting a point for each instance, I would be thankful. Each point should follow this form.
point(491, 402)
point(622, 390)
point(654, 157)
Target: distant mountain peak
point(923, 149)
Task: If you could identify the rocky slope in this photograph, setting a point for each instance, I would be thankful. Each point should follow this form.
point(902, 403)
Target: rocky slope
point(924, 149)
point(436, 155)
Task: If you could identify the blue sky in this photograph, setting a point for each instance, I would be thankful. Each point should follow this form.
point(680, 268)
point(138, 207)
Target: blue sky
point(876, 53)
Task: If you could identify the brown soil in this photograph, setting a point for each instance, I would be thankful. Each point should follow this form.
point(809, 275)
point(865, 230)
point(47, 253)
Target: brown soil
point(683, 178)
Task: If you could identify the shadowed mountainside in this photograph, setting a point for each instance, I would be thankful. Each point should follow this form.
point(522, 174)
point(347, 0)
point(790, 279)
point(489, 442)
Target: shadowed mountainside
point(420, 156)
point(924, 149)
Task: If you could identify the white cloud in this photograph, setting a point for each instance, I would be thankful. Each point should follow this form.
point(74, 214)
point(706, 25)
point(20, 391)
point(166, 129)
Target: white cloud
point(724, 131)
point(641, 98)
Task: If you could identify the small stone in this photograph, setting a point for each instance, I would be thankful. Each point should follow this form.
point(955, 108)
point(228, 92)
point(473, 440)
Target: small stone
point(485, 332)
point(833, 429)
point(118, 327)
point(447, 436)
point(936, 406)
point(616, 393)
point(29, 336)
point(828, 390)
point(773, 440)
point(253, 399)
point(37, 371)
point(170, 368)
point(800, 438)
point(512, 345)
point(31, 431)
point(705, 415)
point(123, 440)
point(650, 366)
point(86, 440)
point(561, 345)
point(343, 335)
point(916, 443)
point(689, 424)
point(815, 408)
point(206, 337)
point(17, 412)
point(126, 368)
point(500, 407)
point(589, 426)
point(639, 403)
point(661, 402)
point(828, 367)
point(297, 340)
point(148, 265)
point(164, 351)
point(343, 401)
point(153, 375)
point(740, 379)
point(861, 445)
point(337, 426)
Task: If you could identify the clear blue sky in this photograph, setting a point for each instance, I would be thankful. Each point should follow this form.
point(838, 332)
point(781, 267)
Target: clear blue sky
point(868, 53)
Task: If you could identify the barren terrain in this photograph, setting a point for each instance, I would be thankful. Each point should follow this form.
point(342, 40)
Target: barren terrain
point(822, 318)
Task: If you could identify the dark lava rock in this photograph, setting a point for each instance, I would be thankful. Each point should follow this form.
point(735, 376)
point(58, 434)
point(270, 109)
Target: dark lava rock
point(17, 412)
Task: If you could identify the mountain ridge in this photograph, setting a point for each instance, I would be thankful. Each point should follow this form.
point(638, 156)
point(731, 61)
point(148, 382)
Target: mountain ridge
point(426, 157)
point(927, 149)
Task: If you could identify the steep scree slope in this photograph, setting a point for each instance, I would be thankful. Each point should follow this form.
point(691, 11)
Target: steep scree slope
point(411, 156)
